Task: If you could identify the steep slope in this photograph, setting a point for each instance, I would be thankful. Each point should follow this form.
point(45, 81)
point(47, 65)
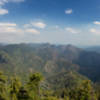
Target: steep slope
point(43, 58)
point(66, 79)
point(49, 59)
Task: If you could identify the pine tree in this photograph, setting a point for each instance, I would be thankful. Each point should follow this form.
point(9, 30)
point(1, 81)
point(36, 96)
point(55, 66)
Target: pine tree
point(14, 88)
point(85, 91)
point(3, 88)
point(33, 85)
point(23, 94)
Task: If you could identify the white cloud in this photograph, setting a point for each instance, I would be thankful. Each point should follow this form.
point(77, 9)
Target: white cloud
point(3, 11)
point(92, 30)
point(33, 31)
point(12, 28)
point(96, 22)
point(39, 24)
point(95, 31)
point(72, 30)
point(68, 11)
point(7, 25)
point(3, 2)
point(9, 28)
point(12, 33)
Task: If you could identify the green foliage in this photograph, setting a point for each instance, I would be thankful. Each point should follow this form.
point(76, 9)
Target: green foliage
point(66, 79)
point(33, 85)
point(85, 91)
point(50, 98)
point(23, 94)
point(3, 88)
point(62, 66)
point(48, 59)
point(32, 90)
point(14, 88)
point(97, 90)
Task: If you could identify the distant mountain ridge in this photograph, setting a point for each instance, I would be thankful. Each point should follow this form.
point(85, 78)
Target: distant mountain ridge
point(94, 48)
point(49, 59)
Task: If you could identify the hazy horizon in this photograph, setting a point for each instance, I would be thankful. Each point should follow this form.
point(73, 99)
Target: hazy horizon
point(40, 43)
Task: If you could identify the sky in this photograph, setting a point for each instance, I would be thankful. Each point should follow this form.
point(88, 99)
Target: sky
point(74, 22)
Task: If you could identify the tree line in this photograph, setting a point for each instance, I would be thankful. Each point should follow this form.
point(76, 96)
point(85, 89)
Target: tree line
point(14, 89)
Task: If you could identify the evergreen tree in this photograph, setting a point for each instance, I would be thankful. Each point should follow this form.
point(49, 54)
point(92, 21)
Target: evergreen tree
point(33, 85)
point(85, 91)
point(14, 88)
point(3, 87)
point(23, 94)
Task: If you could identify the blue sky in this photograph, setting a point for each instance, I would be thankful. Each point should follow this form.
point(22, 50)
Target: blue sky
point(74, 22)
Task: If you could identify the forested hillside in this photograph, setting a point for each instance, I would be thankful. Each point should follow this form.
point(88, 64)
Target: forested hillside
point(49, 59)
point(68, 72)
